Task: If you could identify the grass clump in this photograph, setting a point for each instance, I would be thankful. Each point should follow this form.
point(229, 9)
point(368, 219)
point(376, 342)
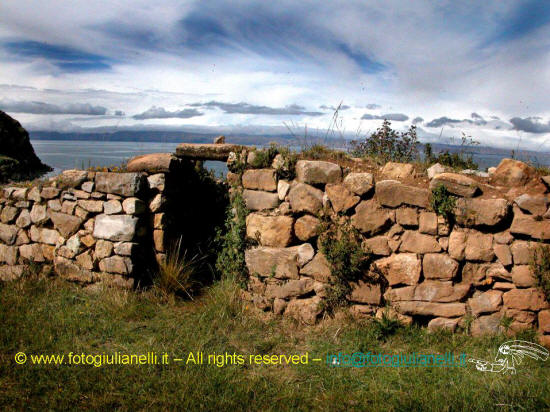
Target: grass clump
point(387, 145)
point(176, 275)
point(540, 266)
point(443, 202)
point(342, 248)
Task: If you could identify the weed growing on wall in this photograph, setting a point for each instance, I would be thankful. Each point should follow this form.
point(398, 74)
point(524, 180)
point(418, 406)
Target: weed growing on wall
point(387, 145)
point(342, 248)
point(540, 266)
point(231, 241)
point(443, 202)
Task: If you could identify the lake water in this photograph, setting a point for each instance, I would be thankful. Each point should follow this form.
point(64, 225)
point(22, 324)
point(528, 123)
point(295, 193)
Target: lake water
point(77, 154)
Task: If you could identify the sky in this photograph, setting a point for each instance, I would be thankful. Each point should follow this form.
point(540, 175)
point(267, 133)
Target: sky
point(479, 68)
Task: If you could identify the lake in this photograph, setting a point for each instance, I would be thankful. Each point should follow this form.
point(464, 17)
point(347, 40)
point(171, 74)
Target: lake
point(81, 154)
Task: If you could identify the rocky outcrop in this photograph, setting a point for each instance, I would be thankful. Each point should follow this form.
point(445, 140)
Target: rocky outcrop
point(18, 160)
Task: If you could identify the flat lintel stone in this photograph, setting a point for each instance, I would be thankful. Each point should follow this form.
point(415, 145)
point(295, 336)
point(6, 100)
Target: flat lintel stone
point(207, 151)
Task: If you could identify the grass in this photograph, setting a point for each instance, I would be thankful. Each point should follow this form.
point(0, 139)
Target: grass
point(53, 317)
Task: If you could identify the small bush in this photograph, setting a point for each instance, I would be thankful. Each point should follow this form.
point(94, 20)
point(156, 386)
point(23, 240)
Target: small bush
point(540, 266)
point(264, 157)
point(176, 272)
point(386, 325)
point(443, 202)
point(457, 160)
point(388, 145)
point(231, 242)
point(342, 249)
point(286, 167)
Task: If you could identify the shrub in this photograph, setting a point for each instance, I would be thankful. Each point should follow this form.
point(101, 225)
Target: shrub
point(387, 145)
point(231, 242)
point(442, 202)
point(457, 160)
point(386, 325)
point(286, 167)
point(342, 249)
point(540, 266)
point(264, 157)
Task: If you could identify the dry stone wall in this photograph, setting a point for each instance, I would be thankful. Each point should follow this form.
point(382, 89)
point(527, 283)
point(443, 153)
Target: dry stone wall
point(473, 270)
point(91, 226)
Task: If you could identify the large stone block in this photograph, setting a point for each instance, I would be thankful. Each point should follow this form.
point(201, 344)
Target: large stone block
point(270, 230)
point(479, 246)
point(525, 299)
point(527, 225)
point(486, 325)
point(341, 197)
point(393, 194)
point(446, 310)
point(305, 310)
point(8, 254)
point(318, 268)
point(264, 261)
point(71, 178)
point(305, 198)
point(290, 289)
point(402, 268)
point(153, 163)
point(306, 227)
point(429, 291)
point(534, 204)
point(363, 292)
point(359, 183)
point(457, 184)
point(370, 218)
point(123, 184)
point(480, 274)
point(67, 225)
point(512, 172)
point(481, 212)
point(116, 264)
point(439, 266)
point(260, 179)
point(116, 227)
point(396, 171)
point(8, 233)
point(318, 172)
point(415, 242)
point(486, 302)
point(258, 200)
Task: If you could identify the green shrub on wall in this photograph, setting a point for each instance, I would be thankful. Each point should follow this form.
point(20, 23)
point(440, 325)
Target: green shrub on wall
point(341, 246)
point(443, 202)
point(231, 241)
point(540, 266)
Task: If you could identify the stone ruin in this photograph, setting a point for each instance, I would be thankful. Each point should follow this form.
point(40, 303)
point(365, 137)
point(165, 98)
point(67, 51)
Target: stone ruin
point(115, 227)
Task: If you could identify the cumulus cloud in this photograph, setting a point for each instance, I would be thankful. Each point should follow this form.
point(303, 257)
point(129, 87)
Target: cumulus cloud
point(530, 125)
point(442, 121)
point(246, 108)
point(476, 116)
point(161, 113)
point(373, 106)
point(417, 119)
point(395, 117)
point(119, 113)
point(47, 108)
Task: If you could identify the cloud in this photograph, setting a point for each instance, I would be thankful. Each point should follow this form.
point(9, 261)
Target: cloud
point(442, 121)
point(332, 108)
point(160, 113)
point(119, 113)
point(530, 125)
point(46, 108)
point(373, 106)
point(417, 119)
point(66, 58)
point(476, 116)
point(396, 117)
point(246, 108)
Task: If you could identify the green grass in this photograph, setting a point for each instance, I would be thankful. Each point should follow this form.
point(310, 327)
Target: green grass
point(52, 317)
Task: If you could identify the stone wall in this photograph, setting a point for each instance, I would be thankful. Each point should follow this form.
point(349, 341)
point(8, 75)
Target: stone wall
point(474, 268)
point(91, 226)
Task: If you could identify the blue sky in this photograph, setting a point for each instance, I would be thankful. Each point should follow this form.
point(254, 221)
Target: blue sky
point(447, 66)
